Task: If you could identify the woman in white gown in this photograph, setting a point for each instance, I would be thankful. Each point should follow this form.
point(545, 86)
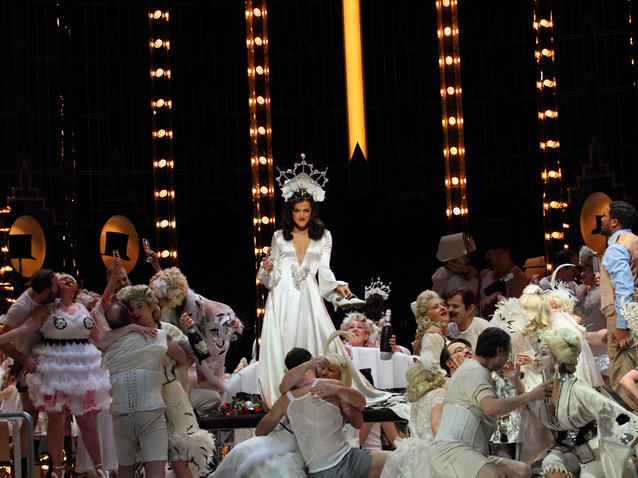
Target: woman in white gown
point(410, 459)
point(295, 315)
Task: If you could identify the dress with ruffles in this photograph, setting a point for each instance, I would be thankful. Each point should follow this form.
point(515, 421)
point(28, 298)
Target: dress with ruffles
point(410, 459)
point(68, 375)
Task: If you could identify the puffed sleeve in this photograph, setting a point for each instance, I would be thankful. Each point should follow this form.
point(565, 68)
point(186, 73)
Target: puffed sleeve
point(439, 279)
point(327, 281)
point(271, 278)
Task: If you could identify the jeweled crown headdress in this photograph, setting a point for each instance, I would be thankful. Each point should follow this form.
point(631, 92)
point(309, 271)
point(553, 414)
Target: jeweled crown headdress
point(303, 182)
point(378, 287)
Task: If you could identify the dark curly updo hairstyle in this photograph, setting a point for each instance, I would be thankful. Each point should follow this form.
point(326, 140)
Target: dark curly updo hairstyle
point(374, 308)
point(316, 227)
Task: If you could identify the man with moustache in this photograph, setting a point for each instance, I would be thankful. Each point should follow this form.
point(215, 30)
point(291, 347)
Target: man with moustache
point(461, 304)
point(619, 286)
point(43, 290)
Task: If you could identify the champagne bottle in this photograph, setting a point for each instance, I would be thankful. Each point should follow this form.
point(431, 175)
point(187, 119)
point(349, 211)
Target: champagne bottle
point(386, 335)
point(197, 344)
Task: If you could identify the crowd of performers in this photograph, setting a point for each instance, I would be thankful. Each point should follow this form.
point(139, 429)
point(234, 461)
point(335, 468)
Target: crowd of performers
point(497, 358)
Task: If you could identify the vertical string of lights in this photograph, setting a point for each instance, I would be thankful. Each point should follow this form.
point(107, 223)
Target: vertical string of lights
point(554, 225)
point(260, 138)
point(452, 115)
point(163, 163)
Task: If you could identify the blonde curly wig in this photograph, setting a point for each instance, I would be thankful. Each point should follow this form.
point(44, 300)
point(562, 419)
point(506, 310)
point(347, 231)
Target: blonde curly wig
point(423, 321)
point(142, 293)
point(564, 345)
point(359, 317)
point(64, 275)
point(338, 360)
point(539, 310)
point(170, 287)
point(422, 378)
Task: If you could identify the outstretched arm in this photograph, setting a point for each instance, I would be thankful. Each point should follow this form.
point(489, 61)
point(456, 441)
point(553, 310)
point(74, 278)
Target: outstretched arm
point(110, 287)
point(32, 324)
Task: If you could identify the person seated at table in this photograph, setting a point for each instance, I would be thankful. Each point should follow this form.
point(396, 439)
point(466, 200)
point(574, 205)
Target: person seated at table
point(362, 329)
point(317, 409)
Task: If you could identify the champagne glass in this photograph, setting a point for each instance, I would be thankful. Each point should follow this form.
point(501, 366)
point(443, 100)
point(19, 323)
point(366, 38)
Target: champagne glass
point(596, 268)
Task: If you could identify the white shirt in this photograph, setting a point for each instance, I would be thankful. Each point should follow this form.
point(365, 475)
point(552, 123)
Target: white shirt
point(470, 334)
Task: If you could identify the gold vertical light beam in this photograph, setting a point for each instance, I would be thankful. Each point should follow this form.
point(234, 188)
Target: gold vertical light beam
point(162, 105)
point(260, 139)
point(452, 116)
point(354, 77)
point(554, 225)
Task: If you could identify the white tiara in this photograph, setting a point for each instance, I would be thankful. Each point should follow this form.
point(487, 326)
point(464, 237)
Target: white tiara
point(379, 288)
point(303, 183)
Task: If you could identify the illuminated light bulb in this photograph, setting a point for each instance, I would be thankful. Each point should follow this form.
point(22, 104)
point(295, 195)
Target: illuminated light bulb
point(164, 223)
point(557, 235)
point(545, 205)
point(159, 72)
point(551, 114)
point(257, 12)
point(261, 130)
point(161, 133)
point(160, 102)
point(565, 226)
point(549, 83)
point(446, 3)
point(450, 90)
point(448, 212)
point(449, 60)
point(173, 224)
point(264, 190)
point(545, 23)
point(254, 191)
point(457, 211)
point(455, 181)
point(447, 31)
point(165, 254)
point(453, 150)
point(553, 174)
point(554, 204)
point(265, 220)
point(266, 249)
point(158, 43)
point(163, 193)
point(543, 145)
point(161, 163)
point(447, 183)
point(546, 52)
point(258, 41)
point(263, 160)
point(157, 15)
point(443, 122)
point(452, 120)
point(260, 100)
point(259, 70)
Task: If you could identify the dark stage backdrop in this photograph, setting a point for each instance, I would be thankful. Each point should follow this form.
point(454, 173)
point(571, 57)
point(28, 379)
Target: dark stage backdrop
point(387, 213)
